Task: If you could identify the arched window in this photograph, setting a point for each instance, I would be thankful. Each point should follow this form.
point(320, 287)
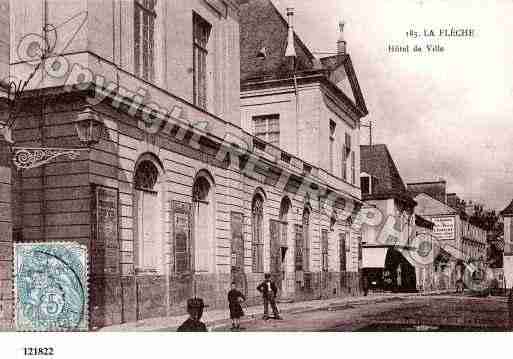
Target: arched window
point(203, 211)
point(148, 213)
point(257, 219)
point(146, 176)
point(285, 207)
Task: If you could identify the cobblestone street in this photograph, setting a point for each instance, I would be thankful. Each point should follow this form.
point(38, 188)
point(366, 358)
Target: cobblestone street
point(433, 313)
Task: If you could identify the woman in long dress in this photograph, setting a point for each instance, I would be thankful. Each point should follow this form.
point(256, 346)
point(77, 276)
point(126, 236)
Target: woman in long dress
point(235, 298)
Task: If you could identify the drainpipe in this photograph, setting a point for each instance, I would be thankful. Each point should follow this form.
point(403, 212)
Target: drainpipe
point(290, 53)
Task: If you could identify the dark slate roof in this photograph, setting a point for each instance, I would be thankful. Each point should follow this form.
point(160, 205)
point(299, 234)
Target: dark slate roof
point(262, 25)
point(387, 182)
point(508, 211)
point(436, 189)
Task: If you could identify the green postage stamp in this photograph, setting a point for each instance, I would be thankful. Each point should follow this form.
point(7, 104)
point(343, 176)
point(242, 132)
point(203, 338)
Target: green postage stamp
point(50, 287)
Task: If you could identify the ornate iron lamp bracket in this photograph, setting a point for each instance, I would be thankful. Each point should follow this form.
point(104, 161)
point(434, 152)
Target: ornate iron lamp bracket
point(26, 158)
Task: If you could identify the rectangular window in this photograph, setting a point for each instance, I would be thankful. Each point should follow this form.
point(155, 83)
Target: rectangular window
point(333, 127)
point(267, 128)
point(345, 156)
point(144, 43)
point(201, 36)
point(324, 250)
point(353, 168)
point(365, 184)
point(344, 165)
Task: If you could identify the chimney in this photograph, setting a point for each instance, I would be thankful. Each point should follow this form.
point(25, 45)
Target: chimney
point(291, 49)
point(341, 43)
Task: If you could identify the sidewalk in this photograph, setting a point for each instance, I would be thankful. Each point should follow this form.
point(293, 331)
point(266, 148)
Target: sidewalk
point(220, 317)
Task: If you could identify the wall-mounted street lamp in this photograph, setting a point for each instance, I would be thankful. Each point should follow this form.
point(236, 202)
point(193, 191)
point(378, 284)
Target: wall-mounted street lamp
point(89, 129)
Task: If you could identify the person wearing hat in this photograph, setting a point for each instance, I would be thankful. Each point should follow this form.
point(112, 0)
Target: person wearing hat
point(269, 291)
point(235, 299)
point(195, 308)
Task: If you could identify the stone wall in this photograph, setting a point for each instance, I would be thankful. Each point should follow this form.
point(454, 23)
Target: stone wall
point(6, 250)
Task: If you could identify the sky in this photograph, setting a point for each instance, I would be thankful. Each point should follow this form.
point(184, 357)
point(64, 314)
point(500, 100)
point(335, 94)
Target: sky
point(446, 115)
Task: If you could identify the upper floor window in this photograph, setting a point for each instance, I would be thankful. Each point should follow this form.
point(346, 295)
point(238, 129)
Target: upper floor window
point(144, 43)
point(267, 128)
point(333, 127)
point(353, 168)
point(201, 36)
point(345, 155)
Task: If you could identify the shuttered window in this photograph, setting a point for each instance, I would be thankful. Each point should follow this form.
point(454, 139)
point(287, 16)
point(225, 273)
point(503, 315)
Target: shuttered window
point(203, 227)
point(148, 259)
point(144, 34)
point(306, 240)
point(353, 168)
point(342, 251)
point(299, 248)
point(201, 34)
point(344, 164)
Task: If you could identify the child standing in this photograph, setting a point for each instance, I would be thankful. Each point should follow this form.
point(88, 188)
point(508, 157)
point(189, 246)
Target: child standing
point(235, 298)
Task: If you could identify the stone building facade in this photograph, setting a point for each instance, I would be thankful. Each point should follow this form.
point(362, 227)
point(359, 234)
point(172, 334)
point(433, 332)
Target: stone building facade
point(172, 196)
point(389, 249)
point(310, 108)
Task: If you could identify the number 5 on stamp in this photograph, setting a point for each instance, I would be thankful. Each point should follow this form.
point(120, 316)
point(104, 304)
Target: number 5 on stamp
point(50, 287)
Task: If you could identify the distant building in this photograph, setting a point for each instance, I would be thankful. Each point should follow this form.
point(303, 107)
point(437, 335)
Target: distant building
point(507, 215)
point(465, 242)
point(388, 258)
point(435, 189)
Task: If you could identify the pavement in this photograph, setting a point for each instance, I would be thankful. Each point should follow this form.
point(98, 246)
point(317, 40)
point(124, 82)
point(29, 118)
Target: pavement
point(216, 318)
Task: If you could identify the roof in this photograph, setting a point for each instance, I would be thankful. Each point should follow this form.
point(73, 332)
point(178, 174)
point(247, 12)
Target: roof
point(263, 26)
point(435, 189)
point(508, 211)
point(377, 162)
point(429, 206)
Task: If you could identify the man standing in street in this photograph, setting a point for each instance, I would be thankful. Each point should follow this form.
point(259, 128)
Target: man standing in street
point(269, 291)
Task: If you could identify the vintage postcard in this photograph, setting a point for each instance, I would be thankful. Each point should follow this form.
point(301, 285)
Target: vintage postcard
point(255, 166)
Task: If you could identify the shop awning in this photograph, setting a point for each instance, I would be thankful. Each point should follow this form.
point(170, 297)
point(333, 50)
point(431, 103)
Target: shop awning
point(374, 257)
